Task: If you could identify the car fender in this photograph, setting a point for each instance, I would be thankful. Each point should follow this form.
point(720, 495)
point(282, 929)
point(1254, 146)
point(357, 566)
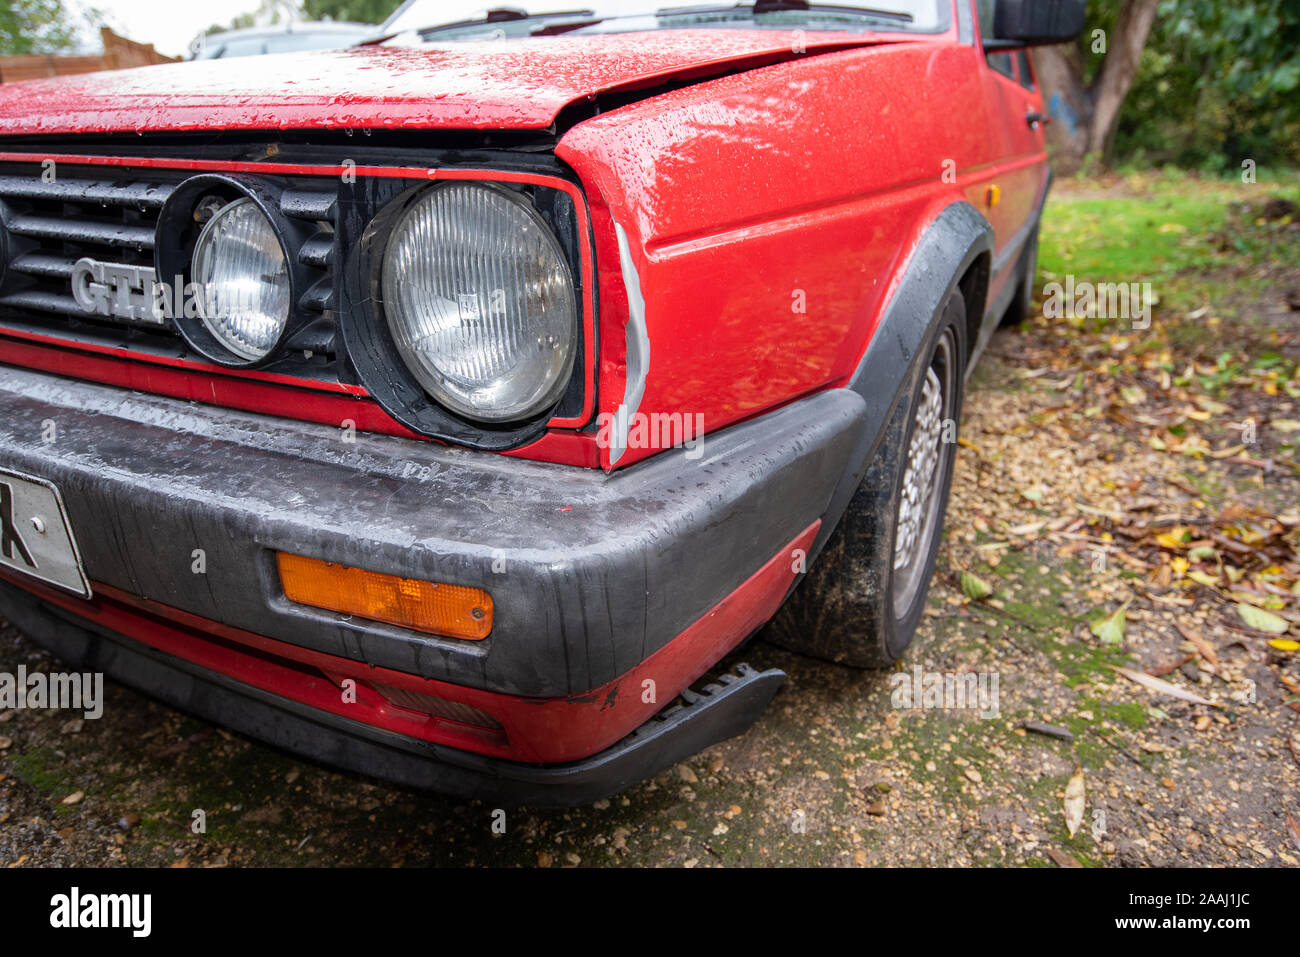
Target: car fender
point(762, 277)
point(958, 241)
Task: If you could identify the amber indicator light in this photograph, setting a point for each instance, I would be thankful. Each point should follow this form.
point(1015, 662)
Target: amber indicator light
point(452, 611)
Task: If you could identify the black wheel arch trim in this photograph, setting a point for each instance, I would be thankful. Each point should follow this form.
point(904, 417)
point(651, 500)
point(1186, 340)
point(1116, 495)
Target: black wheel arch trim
point(952, 243)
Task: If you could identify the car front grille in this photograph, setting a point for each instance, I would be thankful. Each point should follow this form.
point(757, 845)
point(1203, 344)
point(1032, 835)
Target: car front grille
point(51, 220)
point(51, 223)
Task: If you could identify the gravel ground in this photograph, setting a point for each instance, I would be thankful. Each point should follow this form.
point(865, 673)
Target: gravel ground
point(1087, 482)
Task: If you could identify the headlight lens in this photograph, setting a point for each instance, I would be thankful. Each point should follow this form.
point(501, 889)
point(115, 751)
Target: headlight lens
point(480, 302)
point(240, 268)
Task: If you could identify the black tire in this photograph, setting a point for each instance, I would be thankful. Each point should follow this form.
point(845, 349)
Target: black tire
point(851, 607)
point(1027, 275)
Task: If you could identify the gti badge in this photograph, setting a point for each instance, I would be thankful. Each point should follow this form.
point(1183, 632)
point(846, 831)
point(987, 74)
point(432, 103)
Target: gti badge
point(116, 290)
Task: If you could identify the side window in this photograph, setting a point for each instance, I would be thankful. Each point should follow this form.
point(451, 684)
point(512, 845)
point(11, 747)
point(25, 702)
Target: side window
point(1002, 63)
point(1026, 74)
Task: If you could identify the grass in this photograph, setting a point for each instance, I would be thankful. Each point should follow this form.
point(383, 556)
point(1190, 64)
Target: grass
point(1162, 228)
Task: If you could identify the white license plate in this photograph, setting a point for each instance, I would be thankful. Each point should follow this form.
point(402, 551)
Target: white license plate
point(35, 537)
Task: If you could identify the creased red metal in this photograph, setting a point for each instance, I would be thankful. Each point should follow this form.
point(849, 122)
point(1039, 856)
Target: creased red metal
point(515, 84)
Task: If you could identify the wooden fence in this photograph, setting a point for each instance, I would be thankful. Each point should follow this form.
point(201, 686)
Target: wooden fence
point(119, 53)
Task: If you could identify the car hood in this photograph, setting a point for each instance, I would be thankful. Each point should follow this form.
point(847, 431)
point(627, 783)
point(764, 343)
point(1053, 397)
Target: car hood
point(516, 84)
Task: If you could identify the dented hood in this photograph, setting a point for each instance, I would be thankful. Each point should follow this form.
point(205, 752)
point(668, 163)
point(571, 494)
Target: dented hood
point(517, 84)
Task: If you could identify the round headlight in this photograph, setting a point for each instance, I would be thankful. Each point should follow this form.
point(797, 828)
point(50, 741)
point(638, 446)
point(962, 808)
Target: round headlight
point(480, 302)
point(241, 272)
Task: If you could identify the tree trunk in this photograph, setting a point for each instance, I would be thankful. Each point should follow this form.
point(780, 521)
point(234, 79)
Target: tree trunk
point(1118, 71)
point(1087, 115)
point(1067, 100)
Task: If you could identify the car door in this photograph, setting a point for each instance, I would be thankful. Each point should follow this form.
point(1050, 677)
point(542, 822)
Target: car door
point(1028, 141)
point(1020, 165)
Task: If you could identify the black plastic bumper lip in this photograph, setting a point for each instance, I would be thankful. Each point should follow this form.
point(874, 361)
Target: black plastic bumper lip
point(708, 715)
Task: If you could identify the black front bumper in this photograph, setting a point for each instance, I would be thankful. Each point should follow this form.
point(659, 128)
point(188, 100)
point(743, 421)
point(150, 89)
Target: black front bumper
point(718, 711)
point(589, 573)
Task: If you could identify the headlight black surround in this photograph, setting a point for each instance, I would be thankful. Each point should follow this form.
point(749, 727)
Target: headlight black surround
point(178, 229)
point(369, 343)
point(333, 218)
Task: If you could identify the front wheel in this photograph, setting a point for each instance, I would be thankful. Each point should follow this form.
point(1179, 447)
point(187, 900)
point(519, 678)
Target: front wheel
point(861, 602)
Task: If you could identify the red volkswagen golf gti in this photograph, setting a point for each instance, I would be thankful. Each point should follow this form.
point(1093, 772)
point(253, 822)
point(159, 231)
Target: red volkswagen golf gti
point(443, 408)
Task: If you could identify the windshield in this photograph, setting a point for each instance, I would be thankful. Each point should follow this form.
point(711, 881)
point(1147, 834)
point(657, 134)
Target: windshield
point(476, 20)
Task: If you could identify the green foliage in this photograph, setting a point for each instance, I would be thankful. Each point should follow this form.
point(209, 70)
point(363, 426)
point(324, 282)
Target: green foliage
point(359, 11)
point(1101, 15)
point(35, 26)
point(1219, 83)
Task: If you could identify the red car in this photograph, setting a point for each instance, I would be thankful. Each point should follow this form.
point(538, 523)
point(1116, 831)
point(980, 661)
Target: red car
point(444, 407)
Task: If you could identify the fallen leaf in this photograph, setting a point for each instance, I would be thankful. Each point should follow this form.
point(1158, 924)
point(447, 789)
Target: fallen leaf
point(73, 798)
point(974, 588)
point(1051, 730)
point(1201, 645)
point(1261, 620)
point(1228, 453)
point(1074, 802)
point(1062, 859)
point(1110, 630)
point(1167, 669)
point(1027, 529)
point(1284, 644)
point(1160, 686)
point(1293, 828)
